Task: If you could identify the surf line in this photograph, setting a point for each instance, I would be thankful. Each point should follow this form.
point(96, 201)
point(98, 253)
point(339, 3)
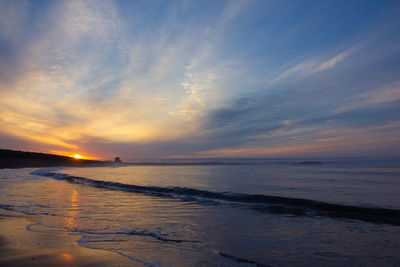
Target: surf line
point(267, 203)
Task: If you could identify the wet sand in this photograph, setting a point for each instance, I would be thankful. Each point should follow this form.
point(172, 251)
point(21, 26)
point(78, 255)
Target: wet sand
point(20, 247)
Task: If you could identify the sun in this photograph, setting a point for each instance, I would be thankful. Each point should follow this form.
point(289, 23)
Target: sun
point(76, 156)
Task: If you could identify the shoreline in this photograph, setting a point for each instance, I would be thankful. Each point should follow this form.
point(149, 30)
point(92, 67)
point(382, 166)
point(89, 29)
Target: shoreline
point(20, 247)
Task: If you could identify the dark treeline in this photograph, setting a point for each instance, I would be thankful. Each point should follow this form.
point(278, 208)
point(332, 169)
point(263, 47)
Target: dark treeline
point(23, 159)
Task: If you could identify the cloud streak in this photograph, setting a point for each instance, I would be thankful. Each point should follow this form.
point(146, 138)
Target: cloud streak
point(314, 65)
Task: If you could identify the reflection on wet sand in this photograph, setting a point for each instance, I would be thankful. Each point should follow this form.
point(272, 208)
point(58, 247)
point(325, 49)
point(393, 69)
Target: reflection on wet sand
point(73, 211)
point(66, 258)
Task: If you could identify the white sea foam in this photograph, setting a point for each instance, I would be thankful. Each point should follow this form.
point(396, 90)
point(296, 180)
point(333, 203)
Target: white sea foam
point(44, 171)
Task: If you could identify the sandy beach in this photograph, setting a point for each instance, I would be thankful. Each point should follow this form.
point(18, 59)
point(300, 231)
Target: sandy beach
point(20, 247)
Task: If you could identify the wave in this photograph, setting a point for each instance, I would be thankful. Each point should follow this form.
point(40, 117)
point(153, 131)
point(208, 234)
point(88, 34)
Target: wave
point(264, 203)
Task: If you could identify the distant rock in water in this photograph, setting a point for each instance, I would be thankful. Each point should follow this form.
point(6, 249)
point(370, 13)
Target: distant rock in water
point(310, 163)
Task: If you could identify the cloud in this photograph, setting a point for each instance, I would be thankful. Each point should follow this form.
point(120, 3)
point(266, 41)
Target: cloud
point(375, 141)
point(379, 98)
point(231, 10)
point(315, 64)
point(84, 74)
point(13, 18)
point(330, 63)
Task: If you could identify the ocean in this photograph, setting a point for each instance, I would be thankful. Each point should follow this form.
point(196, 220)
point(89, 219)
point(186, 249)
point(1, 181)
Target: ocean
point(251, 213)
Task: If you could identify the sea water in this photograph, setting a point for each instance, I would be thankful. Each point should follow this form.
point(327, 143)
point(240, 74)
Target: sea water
point(251, 213)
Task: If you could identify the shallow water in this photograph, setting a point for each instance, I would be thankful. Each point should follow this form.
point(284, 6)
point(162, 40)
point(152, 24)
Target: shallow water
point(156, 216)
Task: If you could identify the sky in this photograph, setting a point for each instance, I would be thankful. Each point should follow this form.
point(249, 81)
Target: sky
point(200, 79)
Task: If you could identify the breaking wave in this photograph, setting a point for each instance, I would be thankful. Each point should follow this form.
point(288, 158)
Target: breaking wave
point(264, 203)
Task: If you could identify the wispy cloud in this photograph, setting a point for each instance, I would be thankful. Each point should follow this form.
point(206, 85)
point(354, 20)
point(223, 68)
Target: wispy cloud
point(315, 64)
point(13, 18)
point(369, 141)
point(381, 97)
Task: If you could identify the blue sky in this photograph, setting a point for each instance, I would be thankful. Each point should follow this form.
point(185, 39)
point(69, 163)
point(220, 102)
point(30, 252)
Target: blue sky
point(157, 79)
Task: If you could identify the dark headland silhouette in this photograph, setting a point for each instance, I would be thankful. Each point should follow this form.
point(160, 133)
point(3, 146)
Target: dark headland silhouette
point(22, 159)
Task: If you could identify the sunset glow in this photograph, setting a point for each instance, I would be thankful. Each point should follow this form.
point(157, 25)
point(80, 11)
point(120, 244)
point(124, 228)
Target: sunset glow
point(201, 80)
point(76, 156)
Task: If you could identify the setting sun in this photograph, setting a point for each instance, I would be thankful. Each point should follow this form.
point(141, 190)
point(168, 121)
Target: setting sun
point(76, 156)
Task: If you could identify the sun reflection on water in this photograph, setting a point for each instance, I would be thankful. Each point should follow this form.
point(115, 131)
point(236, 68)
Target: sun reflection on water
point(66, 257)
point(73, 211)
